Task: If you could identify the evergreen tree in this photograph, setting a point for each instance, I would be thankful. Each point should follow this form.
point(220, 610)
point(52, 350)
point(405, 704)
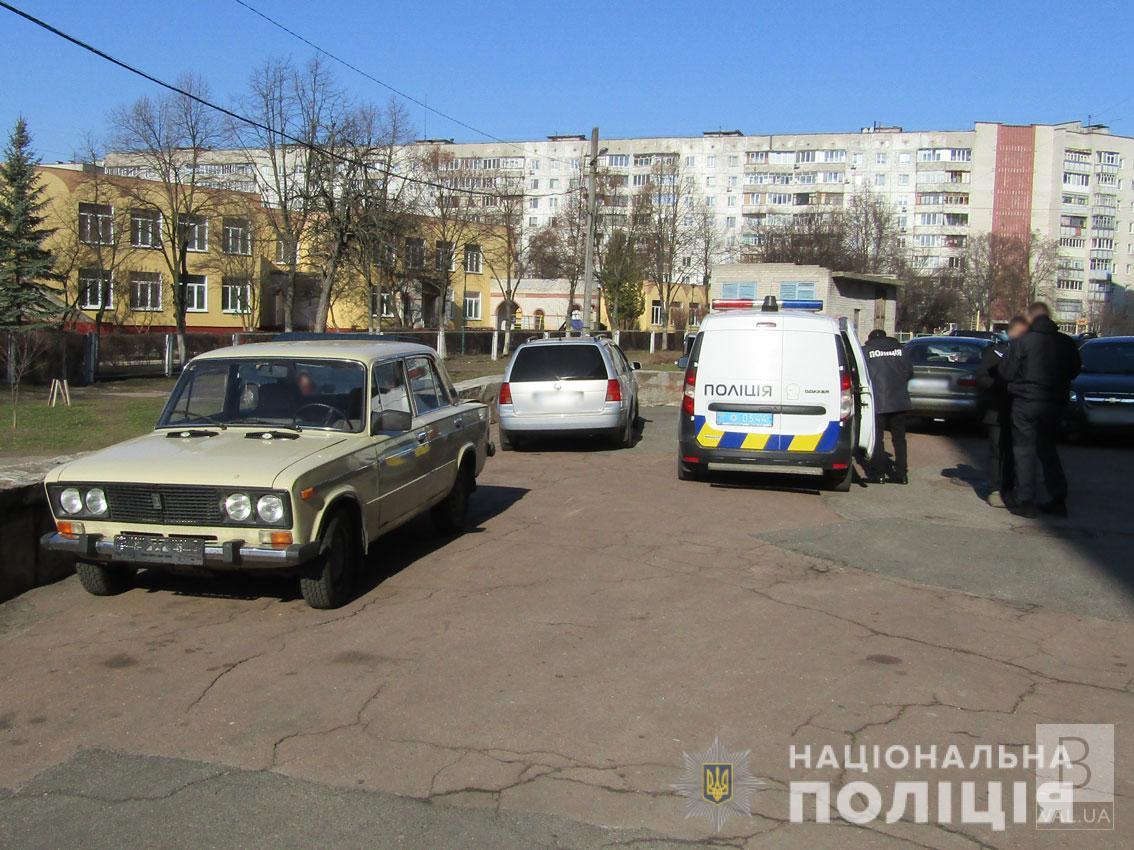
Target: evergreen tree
point(621, 280)
point(25, 265)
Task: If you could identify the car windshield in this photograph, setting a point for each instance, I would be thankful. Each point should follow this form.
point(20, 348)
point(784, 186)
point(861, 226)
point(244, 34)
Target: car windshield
point(558, 363)
point(946, 353)
point(286, 392)
point(1108, 358)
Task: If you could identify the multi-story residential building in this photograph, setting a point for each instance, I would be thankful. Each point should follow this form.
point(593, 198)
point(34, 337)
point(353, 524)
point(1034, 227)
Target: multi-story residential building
point(1065, 182)
point(109, 242)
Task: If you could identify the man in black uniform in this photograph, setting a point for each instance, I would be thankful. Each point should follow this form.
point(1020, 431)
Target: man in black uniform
point(998, 417)
point(890, 373)
point(1039, 368)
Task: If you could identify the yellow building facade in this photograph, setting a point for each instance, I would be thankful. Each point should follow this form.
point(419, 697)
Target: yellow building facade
point(117, 268)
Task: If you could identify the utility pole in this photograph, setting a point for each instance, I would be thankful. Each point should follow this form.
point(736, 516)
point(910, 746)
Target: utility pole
point(589, 249)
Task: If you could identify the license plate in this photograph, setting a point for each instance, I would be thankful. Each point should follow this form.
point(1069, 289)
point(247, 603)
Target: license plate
point(160, 550)
point(753, 420)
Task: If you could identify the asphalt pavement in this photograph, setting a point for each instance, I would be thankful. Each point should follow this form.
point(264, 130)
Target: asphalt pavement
point(536, 681)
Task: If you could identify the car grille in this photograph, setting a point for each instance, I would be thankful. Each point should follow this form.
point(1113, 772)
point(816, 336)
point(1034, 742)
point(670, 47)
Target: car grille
point(1105, 398)
point(165, 504)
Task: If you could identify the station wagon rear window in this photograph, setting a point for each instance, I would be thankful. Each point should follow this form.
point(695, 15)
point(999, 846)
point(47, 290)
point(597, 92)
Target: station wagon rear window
point(558, 363)
point(276, 392)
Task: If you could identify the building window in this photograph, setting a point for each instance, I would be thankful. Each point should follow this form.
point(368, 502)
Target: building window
point(237, 236)
point(710, 161)
point(236, 295)
point(657, 314)
point(444, 256)
point(94, 289)
point(196, 289)
point(96, 224)
point(474, 259)
point(145, 228)
point(797, 291)
point(194, 232)
point(145, 291)
point(618, 160)
point(739, 291)
point(381, 304)
point(286, 252)
point(472, 306)
point(415, 253)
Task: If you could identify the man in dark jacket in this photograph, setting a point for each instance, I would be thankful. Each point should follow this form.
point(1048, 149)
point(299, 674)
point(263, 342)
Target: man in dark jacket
point(998, 416)
point(1039, 368)
point(890, 373)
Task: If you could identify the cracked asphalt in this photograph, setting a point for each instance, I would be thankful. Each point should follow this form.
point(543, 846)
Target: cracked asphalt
point(534, 682)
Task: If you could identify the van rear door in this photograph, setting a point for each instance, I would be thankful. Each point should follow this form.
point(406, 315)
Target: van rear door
point(811, 384)
point(739, 372)
point(860, 375)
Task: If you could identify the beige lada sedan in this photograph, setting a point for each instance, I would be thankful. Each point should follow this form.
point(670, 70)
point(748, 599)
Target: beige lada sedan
point(290, 456)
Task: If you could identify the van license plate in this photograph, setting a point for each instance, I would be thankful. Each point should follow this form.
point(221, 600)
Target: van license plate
point(159, 550)
point(754, 420)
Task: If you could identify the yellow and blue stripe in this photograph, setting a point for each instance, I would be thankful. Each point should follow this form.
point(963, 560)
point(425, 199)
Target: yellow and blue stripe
point(712, 438)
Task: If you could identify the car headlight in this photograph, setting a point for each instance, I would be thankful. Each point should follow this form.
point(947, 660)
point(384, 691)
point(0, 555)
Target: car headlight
point(270, 508)
point(95, 500)
point(1074, 396)
point(71, 500)
point(238, 506)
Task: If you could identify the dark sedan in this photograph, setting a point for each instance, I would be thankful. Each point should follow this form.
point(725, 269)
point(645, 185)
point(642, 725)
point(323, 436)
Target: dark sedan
point(944, 384)
point(1102, 397)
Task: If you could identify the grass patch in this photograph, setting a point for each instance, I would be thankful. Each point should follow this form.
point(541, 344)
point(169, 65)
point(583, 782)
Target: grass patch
point(93, 420)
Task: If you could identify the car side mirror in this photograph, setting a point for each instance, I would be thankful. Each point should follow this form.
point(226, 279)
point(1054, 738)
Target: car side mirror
point(635, 365)
point(395, 421)
point(681, 362)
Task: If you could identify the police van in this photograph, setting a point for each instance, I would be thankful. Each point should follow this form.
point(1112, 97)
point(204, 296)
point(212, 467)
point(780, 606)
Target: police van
point(775, 389)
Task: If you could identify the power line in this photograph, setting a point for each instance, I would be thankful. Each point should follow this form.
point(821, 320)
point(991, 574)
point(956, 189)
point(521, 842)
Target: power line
point(228, 112)
point(382, 83)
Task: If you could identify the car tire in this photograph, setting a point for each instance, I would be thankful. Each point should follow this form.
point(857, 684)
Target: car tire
point(104, 579)
point(839, 481)
point(507, 444)
point(450, 514)
point(328, 581)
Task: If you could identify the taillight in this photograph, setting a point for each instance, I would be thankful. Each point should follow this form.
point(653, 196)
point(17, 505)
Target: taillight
point(689, 391)
point(846, 399)
point(966, 381)
point(505, 394)
point(613, 390)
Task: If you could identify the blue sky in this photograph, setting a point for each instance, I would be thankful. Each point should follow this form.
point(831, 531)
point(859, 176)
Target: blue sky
point(527, 69)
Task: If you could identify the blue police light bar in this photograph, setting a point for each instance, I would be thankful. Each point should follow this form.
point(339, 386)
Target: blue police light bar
point(798, 304)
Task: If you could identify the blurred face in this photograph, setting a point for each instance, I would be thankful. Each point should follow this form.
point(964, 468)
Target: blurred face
point(306, 384)
point(1015, 331)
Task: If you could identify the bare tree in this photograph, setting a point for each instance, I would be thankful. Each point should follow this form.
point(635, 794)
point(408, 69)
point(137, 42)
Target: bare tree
point(505, 240)
point(1001, 274)
point(709, 245)
point(93, 244)
point(662, 226)
point(165, 141)
point(455, 215)
point(288, 103)
point(20, 351)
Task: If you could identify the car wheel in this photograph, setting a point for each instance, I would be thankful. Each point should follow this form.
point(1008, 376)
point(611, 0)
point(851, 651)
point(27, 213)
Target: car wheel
point(450, 513)
point(329, 579)
point(104, 579)
point(507, 444)
point(839, 481)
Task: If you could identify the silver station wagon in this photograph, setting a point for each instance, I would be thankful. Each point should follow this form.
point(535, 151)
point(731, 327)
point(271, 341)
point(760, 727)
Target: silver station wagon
point(290, 456)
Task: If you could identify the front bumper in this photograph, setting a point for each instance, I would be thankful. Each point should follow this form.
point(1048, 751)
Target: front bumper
point(1100, 416)
point(229, 555)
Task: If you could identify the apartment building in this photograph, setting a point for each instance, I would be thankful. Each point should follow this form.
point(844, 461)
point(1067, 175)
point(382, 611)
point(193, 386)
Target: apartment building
point(1066, 182)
